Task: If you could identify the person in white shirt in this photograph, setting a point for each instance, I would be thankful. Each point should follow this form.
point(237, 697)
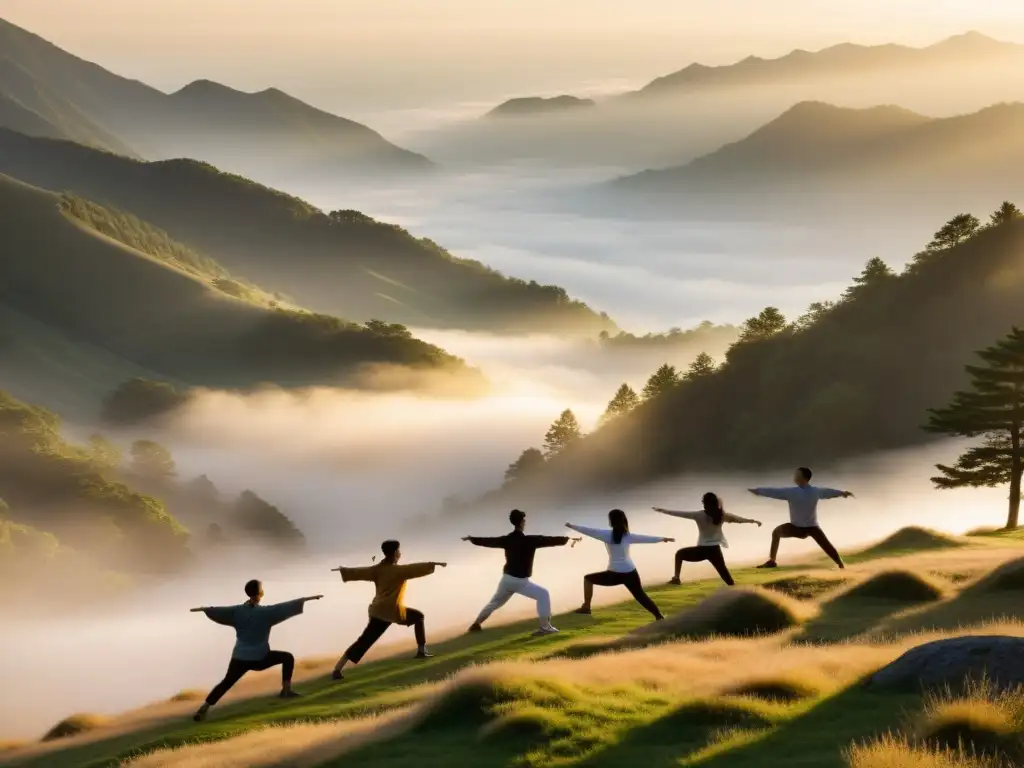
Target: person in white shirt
point(710, 537)
point(803, 514)
point(621, 570)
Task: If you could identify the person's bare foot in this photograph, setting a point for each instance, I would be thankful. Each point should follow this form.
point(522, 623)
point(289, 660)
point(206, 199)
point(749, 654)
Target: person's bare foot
point(289, 694)
point(200, 714)
point(675, 580)
point(769, 564)
point(337, 675)
point(584, 609)
point(475, 627)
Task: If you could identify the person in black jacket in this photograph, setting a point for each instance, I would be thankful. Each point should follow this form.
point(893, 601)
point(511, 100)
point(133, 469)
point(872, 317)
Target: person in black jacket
point(519, 551)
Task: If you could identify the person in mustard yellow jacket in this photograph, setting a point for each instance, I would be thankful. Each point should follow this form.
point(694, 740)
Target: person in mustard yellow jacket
point(388, 606)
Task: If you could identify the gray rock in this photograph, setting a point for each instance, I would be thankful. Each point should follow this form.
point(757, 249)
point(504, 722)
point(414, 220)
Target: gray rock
point(952, 662)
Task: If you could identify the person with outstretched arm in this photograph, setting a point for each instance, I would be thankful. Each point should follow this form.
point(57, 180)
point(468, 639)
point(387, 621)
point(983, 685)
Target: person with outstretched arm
point(515, 580)
point(389, 579)
point(803, 514)
point(710, 536)
point(252, 623)
point(621, 570)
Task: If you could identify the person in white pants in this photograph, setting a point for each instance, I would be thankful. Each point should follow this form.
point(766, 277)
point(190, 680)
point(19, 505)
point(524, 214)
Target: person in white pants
point(519, 553)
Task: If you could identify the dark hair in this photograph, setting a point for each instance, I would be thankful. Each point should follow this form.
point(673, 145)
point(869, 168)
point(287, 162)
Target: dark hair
point(252, 588)
point(806, 472)
point(620, 524)
point(516, 516)
point(389, 548)
point(713, 507)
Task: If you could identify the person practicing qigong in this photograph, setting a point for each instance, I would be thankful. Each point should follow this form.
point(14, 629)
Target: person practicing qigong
point(253, 622)
point(519, 553)
point(710, 536)
point(621, 570)
point(803, 514)
point(388, 606)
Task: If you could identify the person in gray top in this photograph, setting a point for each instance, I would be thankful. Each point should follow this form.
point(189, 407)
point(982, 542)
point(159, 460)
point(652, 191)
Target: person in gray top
point(803, 514)
point(252, 623)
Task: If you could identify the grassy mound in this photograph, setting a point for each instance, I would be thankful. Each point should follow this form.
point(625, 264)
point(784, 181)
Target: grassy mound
point(905, 541)
point(781, 690)
point(1008, 577)
point(478, 698)
point(985, 721)
point(694, 721)
point(895, 752)
point(82, 722)
point(527, 725)
point(899, 586)
point(732, 612)
point(803, 587)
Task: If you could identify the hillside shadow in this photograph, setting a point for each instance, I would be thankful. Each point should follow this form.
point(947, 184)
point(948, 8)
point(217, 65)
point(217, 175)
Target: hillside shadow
point(818, 736)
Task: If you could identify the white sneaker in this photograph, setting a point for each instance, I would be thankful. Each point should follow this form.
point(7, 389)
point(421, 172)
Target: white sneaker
point(548, 630)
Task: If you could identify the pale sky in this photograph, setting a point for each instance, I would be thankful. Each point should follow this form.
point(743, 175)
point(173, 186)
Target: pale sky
point(361, 56)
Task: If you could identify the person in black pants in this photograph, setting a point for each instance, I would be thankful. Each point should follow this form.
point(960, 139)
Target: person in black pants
point(252, 623)
point(710, 537)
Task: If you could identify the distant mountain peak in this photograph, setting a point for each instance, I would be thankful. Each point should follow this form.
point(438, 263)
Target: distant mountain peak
point(534, 105)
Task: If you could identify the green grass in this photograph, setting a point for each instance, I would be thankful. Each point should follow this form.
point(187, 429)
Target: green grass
point(905, 541)
point(511, 717)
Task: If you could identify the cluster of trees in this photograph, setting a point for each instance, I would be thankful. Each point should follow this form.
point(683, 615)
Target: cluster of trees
point(566, 430)
point(847, 377)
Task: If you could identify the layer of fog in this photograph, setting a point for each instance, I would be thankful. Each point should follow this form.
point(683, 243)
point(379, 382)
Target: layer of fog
point(649, 274)
point(654, 132)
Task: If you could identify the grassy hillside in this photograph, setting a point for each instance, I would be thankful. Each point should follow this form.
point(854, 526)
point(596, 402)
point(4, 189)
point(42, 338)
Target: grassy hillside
point(267, 131)
point(845, 379)
point(344, 263)
point(659, 699)
point(816, 147)
point(844, 60)
point(63, 274)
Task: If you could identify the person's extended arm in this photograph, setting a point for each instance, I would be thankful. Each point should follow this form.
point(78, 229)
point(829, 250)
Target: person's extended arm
point(640, 538)
point(832, 493)
point(221, 615)
point(549, 541)
point(417, 570)
point(601, 534)
point(356, 574)
point(781, 494)
point(284, 611)
point(728, 517)
point(494, 542)
point(675, 513)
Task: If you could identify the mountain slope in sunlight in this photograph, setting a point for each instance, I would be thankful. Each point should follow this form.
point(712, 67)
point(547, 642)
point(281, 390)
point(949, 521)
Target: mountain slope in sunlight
point(58, 272)
point(344, 263)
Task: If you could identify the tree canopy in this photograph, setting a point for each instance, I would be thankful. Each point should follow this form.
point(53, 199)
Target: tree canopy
point(662, 381)
point(561, 434)
point(624, 401)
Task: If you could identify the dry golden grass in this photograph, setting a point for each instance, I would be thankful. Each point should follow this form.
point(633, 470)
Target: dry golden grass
point(900, 586)
point(985, 719)
point(897, 752)
point(297, 746)
point(74, 725)
point(189, 694)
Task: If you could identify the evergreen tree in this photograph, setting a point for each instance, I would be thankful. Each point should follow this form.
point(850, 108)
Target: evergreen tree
point(955, 231)
point(529, 461)
point(662, 380)
point(874, 273)
point(814, 313)
point(993, 409)
point(766, 324)
point(152, 461)
point(703, 365)
point(563, 433)
point(1005, 214)
point(625, 400)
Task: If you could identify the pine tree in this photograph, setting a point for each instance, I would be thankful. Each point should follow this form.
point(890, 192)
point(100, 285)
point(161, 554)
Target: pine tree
point(625, 400)
point(955, 231)
point(1005, 214)
point(529, 461)
point(993, 409)
point(703, 365)
point(563, 433)
point(766, 324)
point(874, 273)
point(662, 380)
point(814, 313)
point(151, 460)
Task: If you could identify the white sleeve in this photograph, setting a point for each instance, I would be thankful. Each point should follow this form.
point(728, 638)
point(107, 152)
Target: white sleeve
point(639, 538)
point(781, 494)
point(829, 493)
point(685, 515)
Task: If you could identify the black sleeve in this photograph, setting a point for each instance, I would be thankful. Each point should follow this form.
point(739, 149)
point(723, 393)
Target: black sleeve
point(494, 542)
point(549, 541)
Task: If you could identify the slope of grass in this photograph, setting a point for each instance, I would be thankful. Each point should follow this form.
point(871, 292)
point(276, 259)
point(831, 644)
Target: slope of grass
point(762, 702)
point(906, 541)
point(153, 315)
point(343, 262)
